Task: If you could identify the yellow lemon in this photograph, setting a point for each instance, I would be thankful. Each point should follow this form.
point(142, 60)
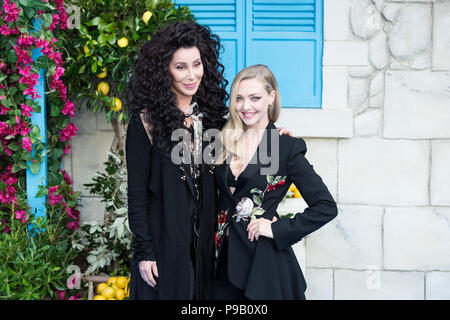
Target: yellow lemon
point(111, 280)
point(146, 16)
point(117, 105)
point(121, 282)
point(120, 294)
point(100, 287)
point(103, 87)
point(112, 299)
point(297, 194)
point(122, 42)
point(99, 297)
point(103, 74)
point(108, 292)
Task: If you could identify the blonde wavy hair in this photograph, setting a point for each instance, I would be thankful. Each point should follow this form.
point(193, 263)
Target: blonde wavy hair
point(234, 128)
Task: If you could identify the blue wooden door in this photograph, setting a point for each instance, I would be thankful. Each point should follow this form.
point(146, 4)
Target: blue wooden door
point(285, 35)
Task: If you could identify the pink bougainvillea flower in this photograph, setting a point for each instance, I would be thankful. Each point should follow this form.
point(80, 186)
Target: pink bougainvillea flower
point(21, 215)
point(5, 148)
point(75, 297)
point(55, 21)
point(6, 229)
point(26, 110)
point(3, 109)
point(11, 10)
point(26, 144)
point(60, 294)
point(67, 148)
point(74, 225)
point(68, 132)
point(31, 92)
point(4, 129)
point(5, 30)
point(54, 199)
point(66, 177)
point(23, 57)
point(25, 41)
point(68, 109)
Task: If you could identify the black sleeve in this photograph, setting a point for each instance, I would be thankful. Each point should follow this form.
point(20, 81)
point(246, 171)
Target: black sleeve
point(321, 205)
point(138, 147)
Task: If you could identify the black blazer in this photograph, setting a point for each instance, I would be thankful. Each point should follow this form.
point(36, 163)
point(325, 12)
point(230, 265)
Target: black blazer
point(267, 268)
point(160, 206)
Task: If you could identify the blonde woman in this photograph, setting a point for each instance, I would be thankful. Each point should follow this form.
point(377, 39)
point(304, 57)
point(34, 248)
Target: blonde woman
point(253, 245)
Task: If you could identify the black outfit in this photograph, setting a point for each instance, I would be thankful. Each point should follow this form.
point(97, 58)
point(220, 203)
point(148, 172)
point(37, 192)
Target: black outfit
point(170, 214)
point(267, 268)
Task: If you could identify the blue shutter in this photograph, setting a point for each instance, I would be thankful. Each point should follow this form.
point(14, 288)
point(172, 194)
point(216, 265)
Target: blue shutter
point(285, 35)
point(225, 19)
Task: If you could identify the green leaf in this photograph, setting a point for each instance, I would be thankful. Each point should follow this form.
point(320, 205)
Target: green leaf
point(257, 200)
point(15, 168)
point(94, 67)
point(54, 110)
point(13, 146)
point(34, 167)
point(47, 19)
point(97, 21)
point(112, 38)
point(82, 69)
point(110, 28)
point(258, 212)
point(256, 190)
point(270, 179)
point(102, 38)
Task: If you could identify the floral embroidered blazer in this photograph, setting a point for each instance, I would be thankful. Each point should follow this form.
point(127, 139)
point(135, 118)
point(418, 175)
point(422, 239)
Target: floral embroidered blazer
point(267, 268)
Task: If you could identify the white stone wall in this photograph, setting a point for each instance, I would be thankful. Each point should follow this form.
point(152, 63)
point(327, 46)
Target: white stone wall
point(381, 143)
point(391, 239)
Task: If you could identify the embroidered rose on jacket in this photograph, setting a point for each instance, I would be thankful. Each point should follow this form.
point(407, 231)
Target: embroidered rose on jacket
point(244, 210)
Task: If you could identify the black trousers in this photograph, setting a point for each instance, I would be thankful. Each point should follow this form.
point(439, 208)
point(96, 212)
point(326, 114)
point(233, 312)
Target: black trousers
point(223, 288)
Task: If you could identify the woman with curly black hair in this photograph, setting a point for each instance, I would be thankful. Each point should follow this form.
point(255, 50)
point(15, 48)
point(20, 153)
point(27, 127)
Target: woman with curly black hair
point(177, 84)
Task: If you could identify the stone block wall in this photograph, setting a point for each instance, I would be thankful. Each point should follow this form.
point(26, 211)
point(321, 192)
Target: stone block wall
point(391, 238)
point(387, 64)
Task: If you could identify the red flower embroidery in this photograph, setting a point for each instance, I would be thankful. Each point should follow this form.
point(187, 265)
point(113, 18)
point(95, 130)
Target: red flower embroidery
point(222, 217)
point(276, 186)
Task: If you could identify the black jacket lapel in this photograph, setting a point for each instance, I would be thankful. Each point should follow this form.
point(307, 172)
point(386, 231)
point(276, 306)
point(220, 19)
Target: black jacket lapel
point(255, 164)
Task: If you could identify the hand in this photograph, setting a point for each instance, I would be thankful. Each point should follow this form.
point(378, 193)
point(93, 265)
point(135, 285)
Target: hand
point(148, 269)
point(283, 131)
point(260, 227)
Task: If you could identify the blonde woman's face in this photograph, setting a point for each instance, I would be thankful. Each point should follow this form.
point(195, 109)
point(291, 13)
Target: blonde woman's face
point(252, 103)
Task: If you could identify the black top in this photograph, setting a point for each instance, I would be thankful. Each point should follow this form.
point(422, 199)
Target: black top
point(231, 180)
point(162, 201)
point(267, 268)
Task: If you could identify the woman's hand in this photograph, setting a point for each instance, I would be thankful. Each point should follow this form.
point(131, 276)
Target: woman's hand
point(283, 131)
point(260, 227)
point(148, 270)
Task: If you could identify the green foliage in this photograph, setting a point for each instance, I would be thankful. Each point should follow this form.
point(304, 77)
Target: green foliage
point(108, 245)
point(35, 257)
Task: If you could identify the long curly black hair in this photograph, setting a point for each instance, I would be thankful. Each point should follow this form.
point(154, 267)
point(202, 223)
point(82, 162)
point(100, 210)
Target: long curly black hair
point(149, 89)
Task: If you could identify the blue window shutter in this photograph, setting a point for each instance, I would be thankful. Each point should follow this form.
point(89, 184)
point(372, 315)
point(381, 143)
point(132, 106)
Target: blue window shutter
point(285, 35)
point(225, 19)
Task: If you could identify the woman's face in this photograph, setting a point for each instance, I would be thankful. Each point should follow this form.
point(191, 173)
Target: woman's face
point(252, 103)
point(186, 68)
